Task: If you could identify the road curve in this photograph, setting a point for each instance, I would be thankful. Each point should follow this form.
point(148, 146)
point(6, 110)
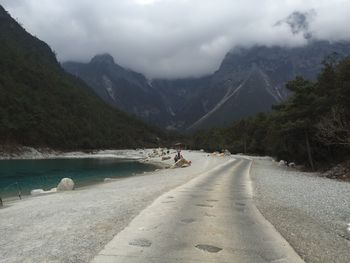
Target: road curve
point(212, 218)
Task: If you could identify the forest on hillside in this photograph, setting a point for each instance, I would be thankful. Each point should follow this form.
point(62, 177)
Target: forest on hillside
point(312, 127)
point(42, 106)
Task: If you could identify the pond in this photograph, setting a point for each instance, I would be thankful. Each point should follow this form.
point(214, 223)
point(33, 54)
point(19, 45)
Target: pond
point(26, 175)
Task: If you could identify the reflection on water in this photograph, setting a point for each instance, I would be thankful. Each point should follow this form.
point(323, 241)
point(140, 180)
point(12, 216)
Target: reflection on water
point(46, 174)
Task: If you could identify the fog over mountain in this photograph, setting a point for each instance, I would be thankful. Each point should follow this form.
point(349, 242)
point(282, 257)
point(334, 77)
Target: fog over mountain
point(177, 38)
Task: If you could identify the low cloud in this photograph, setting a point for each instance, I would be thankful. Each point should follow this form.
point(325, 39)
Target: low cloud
point(176, 38)
point(299, 22)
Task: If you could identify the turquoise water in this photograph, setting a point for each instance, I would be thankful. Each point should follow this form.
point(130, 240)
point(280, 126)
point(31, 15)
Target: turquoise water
point(27, 175)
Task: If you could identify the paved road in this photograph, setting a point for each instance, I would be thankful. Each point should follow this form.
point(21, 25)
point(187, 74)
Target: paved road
point(212, 218)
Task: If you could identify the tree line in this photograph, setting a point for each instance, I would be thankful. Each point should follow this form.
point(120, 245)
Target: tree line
point(312, 127)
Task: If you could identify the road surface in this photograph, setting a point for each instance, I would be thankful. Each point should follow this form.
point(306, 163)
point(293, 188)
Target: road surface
point(212, 218)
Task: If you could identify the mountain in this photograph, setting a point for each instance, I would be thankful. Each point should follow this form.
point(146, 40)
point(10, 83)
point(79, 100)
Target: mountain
point(252, 80)
point(121, 88)
point(42, 105)
point(249, 80)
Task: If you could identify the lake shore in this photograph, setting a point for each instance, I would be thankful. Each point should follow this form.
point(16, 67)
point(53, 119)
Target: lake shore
point(30, 153)
point(74, 226)
point(150, 157)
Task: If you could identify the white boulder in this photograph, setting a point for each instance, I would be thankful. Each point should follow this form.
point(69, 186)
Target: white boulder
point(282, 163)
point(108, 179)
point(37, 192)
point(66, 184)
point(227, 152)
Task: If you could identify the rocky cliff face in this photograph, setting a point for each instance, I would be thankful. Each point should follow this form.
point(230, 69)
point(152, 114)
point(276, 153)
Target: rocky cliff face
point(248, 81)
point(252, 80)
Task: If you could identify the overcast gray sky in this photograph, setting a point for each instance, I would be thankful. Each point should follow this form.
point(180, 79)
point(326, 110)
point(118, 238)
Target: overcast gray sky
point(175, 38)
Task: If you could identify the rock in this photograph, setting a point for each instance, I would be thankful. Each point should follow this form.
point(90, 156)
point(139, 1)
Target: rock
point(66, 184)
point(182, 163)
point(282, 163)
point(227, 152)
point(292, 165)
point(201, 150)
point(164, 158)
point(341, 171)
point(109, 179)
point(36, 192)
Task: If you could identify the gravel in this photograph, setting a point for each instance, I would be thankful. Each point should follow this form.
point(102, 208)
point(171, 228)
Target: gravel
point(75, 226)
point(312, 213)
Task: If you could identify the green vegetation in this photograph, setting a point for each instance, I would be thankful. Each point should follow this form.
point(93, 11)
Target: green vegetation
point(312, 127)
point(42, 106)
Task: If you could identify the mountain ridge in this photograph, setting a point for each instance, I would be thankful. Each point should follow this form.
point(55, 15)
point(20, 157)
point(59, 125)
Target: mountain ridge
point(200, 103)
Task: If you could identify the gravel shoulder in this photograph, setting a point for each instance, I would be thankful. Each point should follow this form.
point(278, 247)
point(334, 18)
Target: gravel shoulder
point(75, 226)
point(312, 213)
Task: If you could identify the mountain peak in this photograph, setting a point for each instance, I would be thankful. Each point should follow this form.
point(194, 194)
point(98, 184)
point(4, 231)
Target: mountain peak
point(103, 59)
point(3, 12)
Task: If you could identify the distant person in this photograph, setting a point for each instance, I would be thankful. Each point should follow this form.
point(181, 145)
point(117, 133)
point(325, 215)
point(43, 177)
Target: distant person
point(178, 156)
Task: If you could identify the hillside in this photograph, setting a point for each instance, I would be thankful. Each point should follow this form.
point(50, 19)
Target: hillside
point(42, 106)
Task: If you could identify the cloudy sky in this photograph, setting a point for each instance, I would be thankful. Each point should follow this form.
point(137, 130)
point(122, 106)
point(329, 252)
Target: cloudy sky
point(176, 38)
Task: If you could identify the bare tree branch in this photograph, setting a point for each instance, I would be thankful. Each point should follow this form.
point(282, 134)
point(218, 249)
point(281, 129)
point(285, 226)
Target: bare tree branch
point(334, 128)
